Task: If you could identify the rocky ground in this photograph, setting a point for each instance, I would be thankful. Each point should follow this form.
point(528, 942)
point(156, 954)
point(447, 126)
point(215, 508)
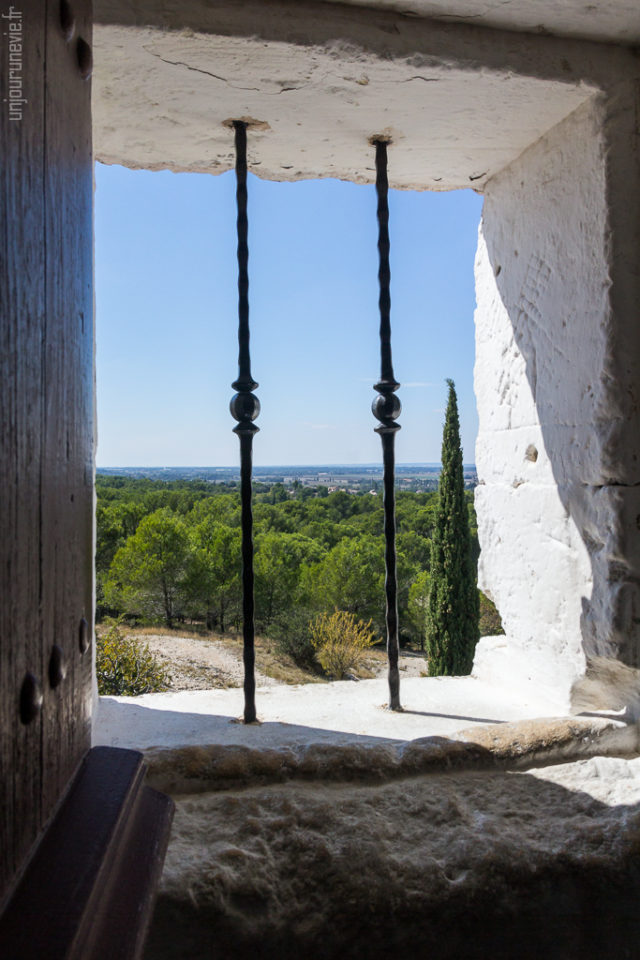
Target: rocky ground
point(200, 663)
point(206, 663)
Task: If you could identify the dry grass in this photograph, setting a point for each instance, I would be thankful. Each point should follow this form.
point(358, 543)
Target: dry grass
point(374, 661)
point(271, 662)
point(191, 632)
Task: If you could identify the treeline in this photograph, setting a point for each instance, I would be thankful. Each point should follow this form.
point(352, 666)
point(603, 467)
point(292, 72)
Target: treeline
point(170, 552)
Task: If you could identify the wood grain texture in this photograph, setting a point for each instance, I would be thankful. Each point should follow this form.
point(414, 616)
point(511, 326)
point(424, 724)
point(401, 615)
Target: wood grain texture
point(67, 453)
point(46, 400)
point(22, 313)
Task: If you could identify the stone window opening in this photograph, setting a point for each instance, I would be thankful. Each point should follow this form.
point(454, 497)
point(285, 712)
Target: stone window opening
point(422, 390)
point(538, 127)
point(545, 123)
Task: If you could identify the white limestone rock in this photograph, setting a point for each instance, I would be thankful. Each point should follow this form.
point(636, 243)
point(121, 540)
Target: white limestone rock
point(543, 319)
point(441, 865)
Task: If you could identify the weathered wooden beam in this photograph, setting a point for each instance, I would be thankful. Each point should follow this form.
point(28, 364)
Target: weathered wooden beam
point(87, 893)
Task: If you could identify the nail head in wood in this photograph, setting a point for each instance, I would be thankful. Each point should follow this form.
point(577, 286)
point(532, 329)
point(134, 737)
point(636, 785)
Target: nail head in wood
point(85, 58)
point(30, 699)
point(67, 20)
point(83, 636)
point(57, 666)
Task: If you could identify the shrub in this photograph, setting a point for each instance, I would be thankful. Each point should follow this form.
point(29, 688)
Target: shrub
point(126, 667)
point(490, 620)
point(291, 636)
point(340, 640)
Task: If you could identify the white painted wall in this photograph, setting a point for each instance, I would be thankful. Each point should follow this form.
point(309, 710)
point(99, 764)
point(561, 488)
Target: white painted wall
point(544, 326)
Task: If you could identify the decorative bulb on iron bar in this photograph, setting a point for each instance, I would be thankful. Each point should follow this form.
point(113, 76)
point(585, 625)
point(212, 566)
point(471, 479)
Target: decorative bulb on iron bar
point(386, 408)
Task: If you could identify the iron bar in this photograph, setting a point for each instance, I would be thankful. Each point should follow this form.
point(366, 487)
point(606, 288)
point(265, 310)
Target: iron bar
point(386, 408)
point(245, 407)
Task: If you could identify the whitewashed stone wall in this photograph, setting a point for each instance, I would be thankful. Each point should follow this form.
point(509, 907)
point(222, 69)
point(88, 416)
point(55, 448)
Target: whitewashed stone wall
point(558, 539)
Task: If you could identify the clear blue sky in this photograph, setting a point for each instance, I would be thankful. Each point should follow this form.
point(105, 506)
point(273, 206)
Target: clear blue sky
point(166, 295)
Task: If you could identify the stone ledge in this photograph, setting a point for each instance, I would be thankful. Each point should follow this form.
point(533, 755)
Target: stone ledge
point(506, 746)
point(492, 864)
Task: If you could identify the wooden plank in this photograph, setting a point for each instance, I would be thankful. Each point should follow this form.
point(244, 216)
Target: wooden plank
point(46, 413)
point(67, 462)
point(89, 889)
point(51, 912)
point(121, 927)
point(22, 316)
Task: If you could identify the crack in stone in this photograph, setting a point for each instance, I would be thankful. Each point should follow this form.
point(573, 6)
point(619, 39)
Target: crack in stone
point(461, 16)
point(207, 73)
point(409, 79)
point(612, 483)
point(215, 76)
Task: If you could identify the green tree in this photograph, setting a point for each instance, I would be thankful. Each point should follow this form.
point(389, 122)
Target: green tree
point(147, 573)
point(212, 581)
point(278, 562)
point(291, 635)
point(350, 577)
point(452, 615)
point(115, 521)
point(418, 605)
point(490, 620)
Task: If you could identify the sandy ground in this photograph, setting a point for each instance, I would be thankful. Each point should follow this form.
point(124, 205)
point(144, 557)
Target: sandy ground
point(336, 712)
point(205, 664)
point(206, 701)
point(200, 664)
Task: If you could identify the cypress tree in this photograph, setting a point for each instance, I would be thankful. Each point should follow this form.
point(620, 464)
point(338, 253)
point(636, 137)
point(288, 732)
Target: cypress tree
point(453, 610)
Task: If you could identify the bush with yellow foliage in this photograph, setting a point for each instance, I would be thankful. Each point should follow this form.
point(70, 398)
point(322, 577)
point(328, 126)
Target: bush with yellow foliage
point(340, 641)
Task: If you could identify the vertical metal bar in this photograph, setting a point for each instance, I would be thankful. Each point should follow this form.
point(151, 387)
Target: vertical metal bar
point(248, 628)
point(384, 268)
point(245, 407)
point(386, 408)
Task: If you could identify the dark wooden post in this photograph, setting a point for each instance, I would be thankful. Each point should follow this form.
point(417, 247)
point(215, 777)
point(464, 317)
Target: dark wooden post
point(245, 407)
point(386, 408)
point(81, 839)
point(46, 413)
